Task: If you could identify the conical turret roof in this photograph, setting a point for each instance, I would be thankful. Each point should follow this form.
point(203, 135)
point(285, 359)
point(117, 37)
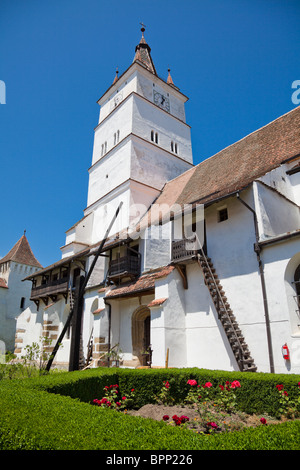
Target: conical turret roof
point(21, 253)
point(143, 54)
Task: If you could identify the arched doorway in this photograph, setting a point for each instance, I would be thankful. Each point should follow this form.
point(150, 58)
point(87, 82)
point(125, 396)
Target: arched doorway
point(140, 331)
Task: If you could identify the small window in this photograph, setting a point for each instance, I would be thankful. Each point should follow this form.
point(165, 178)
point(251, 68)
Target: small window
point(116, 137)
point(222, 214)
point(103, 149)
point(172, 146)
point(22, 303)
point(175, 149)
point(154, 137)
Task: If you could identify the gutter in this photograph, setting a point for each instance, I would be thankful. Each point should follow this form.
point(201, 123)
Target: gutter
point(257, 249)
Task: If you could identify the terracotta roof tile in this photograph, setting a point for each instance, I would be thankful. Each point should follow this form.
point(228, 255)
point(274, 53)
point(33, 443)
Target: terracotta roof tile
point(99, 310)
point(144, 283)
point(21, 253)
point(157, 302)
point(3, 283)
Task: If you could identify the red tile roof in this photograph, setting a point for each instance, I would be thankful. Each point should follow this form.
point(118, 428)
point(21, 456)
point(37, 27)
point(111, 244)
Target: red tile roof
point(21, 253)
point(238, 165)
point(144, 284)
point(233, 168)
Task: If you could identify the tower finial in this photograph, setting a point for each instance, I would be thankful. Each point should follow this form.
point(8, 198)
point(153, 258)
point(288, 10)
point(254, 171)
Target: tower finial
point(116, 77)
point(142, 27)
point(169, 79)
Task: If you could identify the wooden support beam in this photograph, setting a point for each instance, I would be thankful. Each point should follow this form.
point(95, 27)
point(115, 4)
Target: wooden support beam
point(76, 326)
point(182, 271)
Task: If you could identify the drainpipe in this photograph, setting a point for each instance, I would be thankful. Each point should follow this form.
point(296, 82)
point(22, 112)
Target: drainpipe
point(109, 327)
point(257, 250)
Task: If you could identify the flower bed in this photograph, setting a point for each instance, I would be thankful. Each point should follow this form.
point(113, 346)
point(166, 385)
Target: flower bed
point(205, 409)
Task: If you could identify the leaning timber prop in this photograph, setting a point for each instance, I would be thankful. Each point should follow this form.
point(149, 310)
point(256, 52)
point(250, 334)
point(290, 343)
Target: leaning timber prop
point(77, 309)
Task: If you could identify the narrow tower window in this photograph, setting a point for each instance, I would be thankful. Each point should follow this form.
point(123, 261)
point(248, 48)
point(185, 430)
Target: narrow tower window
point(222, 214)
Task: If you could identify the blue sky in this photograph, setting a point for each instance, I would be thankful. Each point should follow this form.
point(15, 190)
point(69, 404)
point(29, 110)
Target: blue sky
point(235, 60)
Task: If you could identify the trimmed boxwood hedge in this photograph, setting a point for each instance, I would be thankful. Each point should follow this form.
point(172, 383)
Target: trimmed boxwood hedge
point(54, 413)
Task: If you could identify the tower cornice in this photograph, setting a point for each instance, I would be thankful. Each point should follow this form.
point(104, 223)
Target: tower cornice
point(138, 66)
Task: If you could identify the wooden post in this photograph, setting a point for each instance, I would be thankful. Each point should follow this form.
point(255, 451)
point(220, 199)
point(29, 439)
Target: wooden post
point(76, 326)
point(167, 358)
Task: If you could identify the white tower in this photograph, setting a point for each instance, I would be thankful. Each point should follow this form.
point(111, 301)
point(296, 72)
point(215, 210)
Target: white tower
point(141, 142)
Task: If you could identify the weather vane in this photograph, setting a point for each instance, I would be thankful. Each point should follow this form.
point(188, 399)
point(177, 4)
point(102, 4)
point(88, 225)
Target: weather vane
point(143, 26)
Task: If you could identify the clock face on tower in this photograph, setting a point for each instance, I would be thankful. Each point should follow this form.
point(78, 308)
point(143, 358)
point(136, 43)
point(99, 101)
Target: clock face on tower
point(161, 101)
point(116, 100)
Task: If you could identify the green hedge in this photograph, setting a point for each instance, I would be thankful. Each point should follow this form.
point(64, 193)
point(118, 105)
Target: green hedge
point(54, 413)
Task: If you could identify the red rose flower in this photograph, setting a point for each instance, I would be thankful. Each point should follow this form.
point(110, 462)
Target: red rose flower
point(192, 383)
point(207, 385)
point(165, 417)
point(184, 419)
point(235, 384)
point(263, 420)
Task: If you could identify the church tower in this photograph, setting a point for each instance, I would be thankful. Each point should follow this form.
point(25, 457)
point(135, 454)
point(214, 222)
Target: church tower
point(141, 141)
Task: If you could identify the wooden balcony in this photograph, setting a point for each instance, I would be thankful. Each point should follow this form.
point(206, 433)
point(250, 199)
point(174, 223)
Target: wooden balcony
point(126, 266)
point(184, 250)
point(50, 289)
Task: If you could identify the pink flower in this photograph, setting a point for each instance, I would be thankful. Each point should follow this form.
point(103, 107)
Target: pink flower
point(212, 424)
point(263, 420)
point(192, 383)
point(132, 389)
point(207, 385)
point(123, 398)
point(118, 403)
point(235, 384)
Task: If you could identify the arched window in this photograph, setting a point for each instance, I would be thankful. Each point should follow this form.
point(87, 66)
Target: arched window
point(292, 288)
point(297, 286)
